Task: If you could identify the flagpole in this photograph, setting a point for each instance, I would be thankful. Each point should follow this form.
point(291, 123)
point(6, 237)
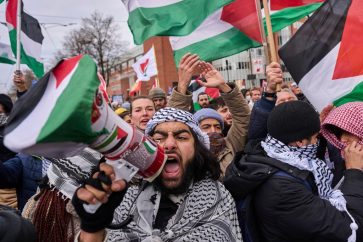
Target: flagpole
point(264, 41)
point(18, 32)
point(270, 36)
point(156, 63)
point(271, 41)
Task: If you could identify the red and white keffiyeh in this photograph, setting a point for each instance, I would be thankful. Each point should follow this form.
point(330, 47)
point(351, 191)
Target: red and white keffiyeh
point(349, 118)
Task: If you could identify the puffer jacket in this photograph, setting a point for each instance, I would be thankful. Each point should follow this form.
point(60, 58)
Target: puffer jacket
point(284, 208)
point(22, 172)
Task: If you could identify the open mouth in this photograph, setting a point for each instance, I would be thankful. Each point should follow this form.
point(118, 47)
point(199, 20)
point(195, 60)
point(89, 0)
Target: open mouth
point(172, 166)
point(144, 121)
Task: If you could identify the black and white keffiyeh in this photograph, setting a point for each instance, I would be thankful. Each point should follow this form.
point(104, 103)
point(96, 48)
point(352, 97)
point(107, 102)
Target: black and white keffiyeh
point(68, 174)
point(169, 114)
point(206, 212)
point(304, 158)
point(3, 119)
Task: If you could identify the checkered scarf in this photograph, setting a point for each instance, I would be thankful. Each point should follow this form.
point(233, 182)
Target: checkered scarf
point(304, 158)
point(68, 174)
point(177, 115)
point(3, 119)
point(349, 118)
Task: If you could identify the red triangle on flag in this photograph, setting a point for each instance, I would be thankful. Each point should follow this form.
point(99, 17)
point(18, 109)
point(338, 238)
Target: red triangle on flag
point(212, 92)
point(64, 68)
point(121, 133)
point(281, 4)
point(144, 65)
point(349, 62)
point(11, 11)
point(242, 14)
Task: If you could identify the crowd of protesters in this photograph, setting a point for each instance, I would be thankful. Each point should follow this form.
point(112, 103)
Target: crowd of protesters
point(257, 164)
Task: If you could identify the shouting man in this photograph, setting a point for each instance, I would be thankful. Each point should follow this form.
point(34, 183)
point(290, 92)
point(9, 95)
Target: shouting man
point(185, 203)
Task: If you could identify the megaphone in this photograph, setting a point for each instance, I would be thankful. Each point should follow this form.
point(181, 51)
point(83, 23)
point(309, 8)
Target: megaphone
point(66, 111)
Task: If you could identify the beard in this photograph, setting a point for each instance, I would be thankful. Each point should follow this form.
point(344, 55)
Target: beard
point(184, 185)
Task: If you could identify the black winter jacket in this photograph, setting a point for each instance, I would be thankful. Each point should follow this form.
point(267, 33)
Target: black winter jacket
point(283, 208)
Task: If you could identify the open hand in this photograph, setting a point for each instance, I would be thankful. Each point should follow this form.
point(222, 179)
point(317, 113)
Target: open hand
point(213, 78)
point(188, 67)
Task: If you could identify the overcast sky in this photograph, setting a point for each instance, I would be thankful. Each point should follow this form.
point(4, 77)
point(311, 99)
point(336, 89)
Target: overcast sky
point(54, 13)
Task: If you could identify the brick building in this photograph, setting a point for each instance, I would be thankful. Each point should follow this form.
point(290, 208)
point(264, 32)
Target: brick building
point(122, 77)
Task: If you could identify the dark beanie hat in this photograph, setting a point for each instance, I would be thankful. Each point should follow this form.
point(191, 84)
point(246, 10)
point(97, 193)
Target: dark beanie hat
point(5, 100)
point(293, 121)
point(14, 228)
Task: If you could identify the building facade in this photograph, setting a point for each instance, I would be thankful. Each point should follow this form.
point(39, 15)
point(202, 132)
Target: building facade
point(246, 69)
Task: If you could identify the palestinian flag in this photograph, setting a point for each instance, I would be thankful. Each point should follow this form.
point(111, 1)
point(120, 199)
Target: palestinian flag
point(135, 88)
point(55, 115)
point(325, 56)
point(195, 89)
point(218, 37)
point(6, 55)
point(31, 37)
point(281, 4)
point(168, 17)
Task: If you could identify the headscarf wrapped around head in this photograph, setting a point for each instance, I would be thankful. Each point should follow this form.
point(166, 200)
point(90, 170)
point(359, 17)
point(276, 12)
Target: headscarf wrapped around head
point(177, 115)
point(349, 118)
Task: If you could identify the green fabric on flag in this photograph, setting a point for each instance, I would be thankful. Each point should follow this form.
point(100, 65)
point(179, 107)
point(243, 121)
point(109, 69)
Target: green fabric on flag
point(36, 66)
point(108, 141)
point(288, 16)
point(234, 41)
point(6, 56)
point(355, 95)
point(176, 19)
point(84, 82)
point(149, 147)
point(1, 1)
point(5, 60)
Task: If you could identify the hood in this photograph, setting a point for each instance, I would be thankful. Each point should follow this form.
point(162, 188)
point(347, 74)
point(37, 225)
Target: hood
point(248, 170)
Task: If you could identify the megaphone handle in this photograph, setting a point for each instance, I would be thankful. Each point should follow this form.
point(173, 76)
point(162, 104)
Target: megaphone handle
point(123, 170)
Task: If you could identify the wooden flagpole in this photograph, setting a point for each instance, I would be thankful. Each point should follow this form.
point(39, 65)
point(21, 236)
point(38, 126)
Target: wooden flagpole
point(262, 30)
point(270, 36)
point(18, 33)
point(271, 41)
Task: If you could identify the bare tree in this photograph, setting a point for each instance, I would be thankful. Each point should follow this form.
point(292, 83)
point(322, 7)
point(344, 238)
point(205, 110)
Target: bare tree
point(98, 36)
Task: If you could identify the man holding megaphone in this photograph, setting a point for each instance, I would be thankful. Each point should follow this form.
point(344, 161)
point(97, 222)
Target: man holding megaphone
point(67, 110)
point(172, 206)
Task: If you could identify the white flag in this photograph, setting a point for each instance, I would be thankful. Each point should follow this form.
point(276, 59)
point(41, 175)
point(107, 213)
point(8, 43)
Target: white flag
point(257, 66)
point(146, 67)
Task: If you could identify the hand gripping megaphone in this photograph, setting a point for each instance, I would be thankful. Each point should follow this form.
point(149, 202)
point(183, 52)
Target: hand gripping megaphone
point(66, 111)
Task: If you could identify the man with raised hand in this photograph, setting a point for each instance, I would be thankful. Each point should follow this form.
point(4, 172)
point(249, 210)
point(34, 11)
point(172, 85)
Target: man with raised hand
point(223, 147)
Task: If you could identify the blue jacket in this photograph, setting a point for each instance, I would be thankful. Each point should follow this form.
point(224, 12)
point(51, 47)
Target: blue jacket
point(22, 172)
point(258, 121)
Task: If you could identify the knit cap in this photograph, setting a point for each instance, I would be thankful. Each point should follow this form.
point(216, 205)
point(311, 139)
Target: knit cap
point(205, 113)
point(293, 121)
point(157, 92)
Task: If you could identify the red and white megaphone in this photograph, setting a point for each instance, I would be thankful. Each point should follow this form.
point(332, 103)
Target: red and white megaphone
point(66, 111)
